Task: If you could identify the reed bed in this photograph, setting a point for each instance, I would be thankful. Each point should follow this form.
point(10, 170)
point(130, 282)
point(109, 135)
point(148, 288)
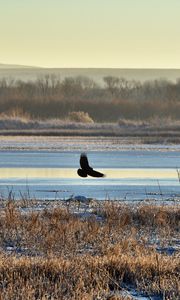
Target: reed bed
point(71, 250)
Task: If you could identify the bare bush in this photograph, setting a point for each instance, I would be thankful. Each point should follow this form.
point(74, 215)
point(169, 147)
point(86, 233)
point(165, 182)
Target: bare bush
point(80, 116)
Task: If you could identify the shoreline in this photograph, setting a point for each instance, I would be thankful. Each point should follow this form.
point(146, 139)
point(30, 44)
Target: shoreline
point(80, 143)
point(151, 135)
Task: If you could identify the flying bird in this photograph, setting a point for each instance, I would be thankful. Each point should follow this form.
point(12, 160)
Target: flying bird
point(86, 169)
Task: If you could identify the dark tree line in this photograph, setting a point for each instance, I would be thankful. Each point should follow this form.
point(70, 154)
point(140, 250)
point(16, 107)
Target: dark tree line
point(51, 97)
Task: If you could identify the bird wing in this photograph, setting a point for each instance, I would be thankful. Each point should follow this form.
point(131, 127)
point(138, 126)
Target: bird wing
point(84, 162)
point(94, 173)
point(85, 167)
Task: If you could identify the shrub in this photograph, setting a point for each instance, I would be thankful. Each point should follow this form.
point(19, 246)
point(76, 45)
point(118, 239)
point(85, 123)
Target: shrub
point(80, 116)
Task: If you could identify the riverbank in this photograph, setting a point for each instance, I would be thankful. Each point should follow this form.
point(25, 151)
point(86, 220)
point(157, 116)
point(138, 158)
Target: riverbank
point(126, 131)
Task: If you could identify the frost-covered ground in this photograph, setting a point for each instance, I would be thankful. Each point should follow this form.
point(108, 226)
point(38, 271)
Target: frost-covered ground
point(85, 208)
point(79, 144)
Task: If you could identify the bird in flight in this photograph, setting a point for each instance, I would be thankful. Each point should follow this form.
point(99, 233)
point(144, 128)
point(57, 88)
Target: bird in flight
point(86, 169)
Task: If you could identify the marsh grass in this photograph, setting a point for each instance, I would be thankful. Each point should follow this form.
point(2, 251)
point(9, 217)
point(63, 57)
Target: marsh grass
point(131, 131)
point(58, 254)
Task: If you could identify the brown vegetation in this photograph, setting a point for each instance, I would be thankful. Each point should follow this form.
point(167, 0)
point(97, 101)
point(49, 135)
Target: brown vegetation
point(55, 254)
point(80, 117)
point(49, 97)
point(164, 131)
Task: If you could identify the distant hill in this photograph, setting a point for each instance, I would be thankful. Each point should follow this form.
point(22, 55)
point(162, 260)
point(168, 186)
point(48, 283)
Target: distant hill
point(26, 73)
point(11, 66)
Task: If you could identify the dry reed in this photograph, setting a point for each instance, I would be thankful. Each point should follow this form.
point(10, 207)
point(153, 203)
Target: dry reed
point(55, 254)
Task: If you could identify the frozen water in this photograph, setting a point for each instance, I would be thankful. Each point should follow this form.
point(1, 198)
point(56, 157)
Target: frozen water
point(130, 174)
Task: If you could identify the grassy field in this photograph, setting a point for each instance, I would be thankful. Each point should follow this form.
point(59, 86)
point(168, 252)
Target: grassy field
point(69, 250)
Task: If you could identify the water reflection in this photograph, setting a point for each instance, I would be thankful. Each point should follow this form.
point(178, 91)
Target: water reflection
point(71, 173)
point(143, 174)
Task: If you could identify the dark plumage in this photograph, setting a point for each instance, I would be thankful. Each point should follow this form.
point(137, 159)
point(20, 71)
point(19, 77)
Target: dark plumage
point(86, 169)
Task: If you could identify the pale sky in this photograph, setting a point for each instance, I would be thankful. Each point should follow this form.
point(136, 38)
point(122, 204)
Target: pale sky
point(90, 33)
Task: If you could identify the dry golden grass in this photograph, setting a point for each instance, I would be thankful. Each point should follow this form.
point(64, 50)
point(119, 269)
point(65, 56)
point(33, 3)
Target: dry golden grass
point(55, 254)
point(80, 117)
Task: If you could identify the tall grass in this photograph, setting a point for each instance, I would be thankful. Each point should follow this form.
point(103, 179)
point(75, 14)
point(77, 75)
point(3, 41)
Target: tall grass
point(54, 254)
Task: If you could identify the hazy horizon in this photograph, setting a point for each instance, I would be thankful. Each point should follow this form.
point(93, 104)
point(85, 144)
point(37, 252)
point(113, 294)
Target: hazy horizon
point(97, 74)
point(17, 66)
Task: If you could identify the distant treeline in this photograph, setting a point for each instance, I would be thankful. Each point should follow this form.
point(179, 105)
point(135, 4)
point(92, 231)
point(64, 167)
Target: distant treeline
point(51, 97)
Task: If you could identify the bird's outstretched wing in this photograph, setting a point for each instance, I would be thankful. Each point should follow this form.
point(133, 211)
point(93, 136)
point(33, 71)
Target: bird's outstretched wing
point(84, 162)
point(94, 173)
point(86, 169)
